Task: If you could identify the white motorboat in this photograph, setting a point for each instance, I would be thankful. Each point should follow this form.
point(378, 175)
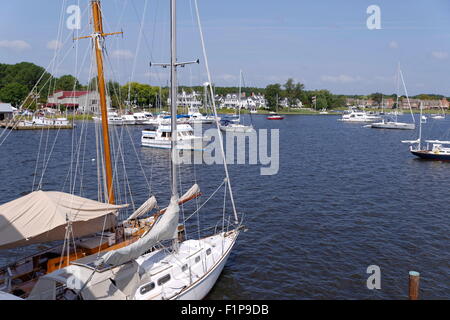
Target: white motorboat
point(128, 119)
point(141, 117)
point(161, 137)
point(358, 116)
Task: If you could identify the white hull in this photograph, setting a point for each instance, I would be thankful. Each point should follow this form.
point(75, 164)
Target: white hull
point(203, 286)
point(393, 125)
point(237, 128)
point(192, 144)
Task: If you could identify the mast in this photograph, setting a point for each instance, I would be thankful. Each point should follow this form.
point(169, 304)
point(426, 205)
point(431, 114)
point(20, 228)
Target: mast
point(240, 94)
point(98, 37)
point(173, 90)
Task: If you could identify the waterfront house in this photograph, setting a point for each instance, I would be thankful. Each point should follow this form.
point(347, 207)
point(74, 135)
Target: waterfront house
point(6, 111)
point(76, 101)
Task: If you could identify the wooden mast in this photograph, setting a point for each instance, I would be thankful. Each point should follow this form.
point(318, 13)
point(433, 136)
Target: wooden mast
point(98, 37)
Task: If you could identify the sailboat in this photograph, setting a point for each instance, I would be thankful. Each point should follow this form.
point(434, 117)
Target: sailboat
point(157, 263)
point(439, 116)
point(438, 151)
point(275, 116)
point(235, 125)
point(395, 124)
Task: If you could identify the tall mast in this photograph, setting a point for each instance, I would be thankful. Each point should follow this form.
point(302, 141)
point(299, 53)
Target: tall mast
point(173, 90)
point(98, 37)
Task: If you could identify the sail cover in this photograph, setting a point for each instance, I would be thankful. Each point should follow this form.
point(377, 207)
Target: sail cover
point(148, 206)
point(166, 228)
point(192, 192)
point(42, 217)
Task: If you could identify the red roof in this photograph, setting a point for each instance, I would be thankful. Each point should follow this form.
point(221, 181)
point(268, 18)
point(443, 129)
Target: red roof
point(72, 94)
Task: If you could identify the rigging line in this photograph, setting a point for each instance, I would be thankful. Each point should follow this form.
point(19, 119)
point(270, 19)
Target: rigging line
point(154, 34)
point(212, 195)
point(216, 115)
point(407, 96)
point(134, 147)
point(37, 161)
point(133, 70)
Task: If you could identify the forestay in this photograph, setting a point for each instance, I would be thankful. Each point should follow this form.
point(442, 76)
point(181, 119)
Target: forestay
point(43, 217)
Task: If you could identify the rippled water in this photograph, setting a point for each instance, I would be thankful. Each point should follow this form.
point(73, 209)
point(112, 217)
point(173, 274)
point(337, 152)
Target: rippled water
point(345, 197)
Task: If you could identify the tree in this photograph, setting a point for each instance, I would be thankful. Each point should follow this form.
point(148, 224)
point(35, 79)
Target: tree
point(293, 91)
point(68, 83)
point(13, 93)
point(273, 92)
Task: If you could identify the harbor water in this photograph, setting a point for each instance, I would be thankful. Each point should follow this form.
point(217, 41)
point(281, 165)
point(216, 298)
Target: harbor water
point(345, 198)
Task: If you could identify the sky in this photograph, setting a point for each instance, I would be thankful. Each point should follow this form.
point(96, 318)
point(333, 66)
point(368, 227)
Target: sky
point(324, 44)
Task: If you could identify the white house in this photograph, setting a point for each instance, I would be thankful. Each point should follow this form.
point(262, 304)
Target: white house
point(81, 101)
point(6, 111)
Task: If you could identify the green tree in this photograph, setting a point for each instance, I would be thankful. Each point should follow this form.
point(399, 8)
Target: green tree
point(68, 83)
point(272, 92)
point(13, 93)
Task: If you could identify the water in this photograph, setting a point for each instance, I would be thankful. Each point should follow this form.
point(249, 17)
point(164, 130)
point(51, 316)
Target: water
point(346, 197)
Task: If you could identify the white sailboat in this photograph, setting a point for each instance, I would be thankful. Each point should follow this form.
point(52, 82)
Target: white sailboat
point(235, 125)
point(157, 264)
point(394, 123)
point(441, 114)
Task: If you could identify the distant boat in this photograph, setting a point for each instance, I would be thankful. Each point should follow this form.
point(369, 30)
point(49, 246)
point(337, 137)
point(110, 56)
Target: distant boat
point(438, 151)
point(161, 137)
point(275, 117)
point(394, 123)
point(358, 116)
point(234, 124)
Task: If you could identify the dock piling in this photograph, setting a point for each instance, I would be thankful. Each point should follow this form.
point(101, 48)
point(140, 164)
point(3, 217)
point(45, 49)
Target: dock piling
point(414, 278)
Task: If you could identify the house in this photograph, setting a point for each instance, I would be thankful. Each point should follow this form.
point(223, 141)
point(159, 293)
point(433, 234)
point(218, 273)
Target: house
point(81, 101)
point(193, 99)
point(232, 101)
point(6, 111)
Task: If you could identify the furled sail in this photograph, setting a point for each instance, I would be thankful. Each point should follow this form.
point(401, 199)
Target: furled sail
point(192, 192)
point(148, 206)
point(166, 228)
point(43, 216)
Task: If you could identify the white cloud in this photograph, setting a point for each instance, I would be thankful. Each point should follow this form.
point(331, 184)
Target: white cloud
point(54, 45)
point(343, 78)
point(18, 45)
point(441, 55)
point(393, 45)
point(123, 54)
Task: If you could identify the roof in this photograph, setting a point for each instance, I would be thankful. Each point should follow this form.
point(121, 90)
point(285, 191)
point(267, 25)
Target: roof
point(6, 107)
point(71, 94)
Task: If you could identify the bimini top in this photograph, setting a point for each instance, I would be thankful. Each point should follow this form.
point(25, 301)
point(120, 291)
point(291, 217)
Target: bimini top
point(43, 216)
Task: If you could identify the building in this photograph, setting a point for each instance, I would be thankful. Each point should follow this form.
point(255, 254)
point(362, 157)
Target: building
point(6, 111)
point(76, 101)
point(192, 99)
point(232, 101)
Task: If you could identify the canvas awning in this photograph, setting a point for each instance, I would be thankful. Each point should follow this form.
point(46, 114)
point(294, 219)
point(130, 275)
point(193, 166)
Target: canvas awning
point(43, 216)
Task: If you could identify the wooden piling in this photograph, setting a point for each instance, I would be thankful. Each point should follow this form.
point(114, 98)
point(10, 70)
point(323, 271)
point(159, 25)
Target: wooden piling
point(414, 278)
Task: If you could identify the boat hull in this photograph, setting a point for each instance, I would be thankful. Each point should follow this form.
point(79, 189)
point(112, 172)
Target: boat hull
point(204, 285)
point(393, 125)
point(428, 155)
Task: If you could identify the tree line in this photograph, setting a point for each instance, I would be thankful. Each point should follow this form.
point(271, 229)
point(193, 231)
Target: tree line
point(18, 86)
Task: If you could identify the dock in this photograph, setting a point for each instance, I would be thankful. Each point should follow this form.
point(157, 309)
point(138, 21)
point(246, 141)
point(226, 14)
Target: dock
point(12, 125)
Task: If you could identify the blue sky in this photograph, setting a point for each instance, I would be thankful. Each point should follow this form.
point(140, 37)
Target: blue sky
point(324, 44)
